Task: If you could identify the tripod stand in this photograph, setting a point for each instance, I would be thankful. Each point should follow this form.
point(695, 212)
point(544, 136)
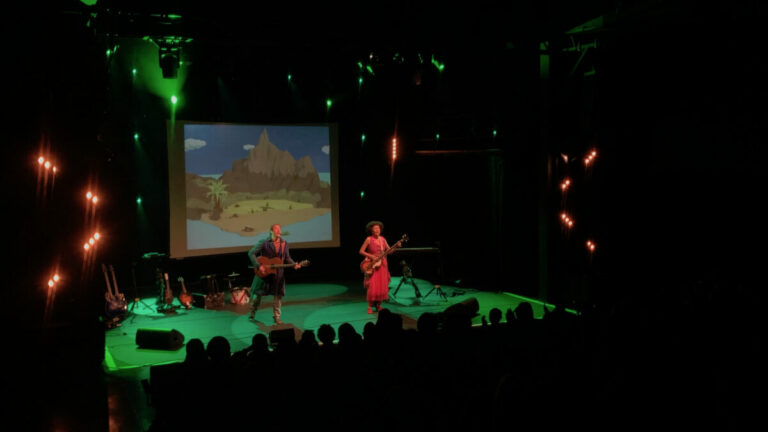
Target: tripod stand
point(407, 278)
point(439, 292)
point(136, 298)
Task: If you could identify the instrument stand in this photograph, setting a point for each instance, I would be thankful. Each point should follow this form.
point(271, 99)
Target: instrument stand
point(214, 297)
point(407, 278)
point(136, 298)
point(439, 292)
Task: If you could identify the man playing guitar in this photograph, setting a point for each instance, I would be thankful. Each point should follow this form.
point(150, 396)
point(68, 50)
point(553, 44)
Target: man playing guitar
point(274, 283)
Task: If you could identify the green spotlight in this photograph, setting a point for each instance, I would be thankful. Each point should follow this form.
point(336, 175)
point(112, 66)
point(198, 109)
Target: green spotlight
point(134, 71)
point(362, 194)
point(290, 77)
point(437, 137)
point(360, 65)
point(109, 52)
point(136, 136)
point(362, 138)
point(328, 103)
point(174, 99)
point(494, 133)
point(437, 64)
point(360, 81)
point(138, 200)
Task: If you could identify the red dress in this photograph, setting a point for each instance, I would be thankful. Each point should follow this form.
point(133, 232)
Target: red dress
point(378, 283)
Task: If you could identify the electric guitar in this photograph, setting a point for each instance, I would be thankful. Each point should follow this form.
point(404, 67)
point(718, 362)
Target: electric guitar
point(369, 265)
point(185, 298)
point(271, 265)
point(116, 303)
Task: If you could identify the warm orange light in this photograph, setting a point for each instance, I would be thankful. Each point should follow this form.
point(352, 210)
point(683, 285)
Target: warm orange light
point(568, 181)
point(56, 278)
point(91, 241)
point(97, 236)
point(95, 199)
point(40, 160)
point(594, 153)
point(563, 216)
point(54, 170)
point(86, 246)
point(89, 195)
point(394, 148)
point(570, 223)
point(50, 283)
point(47, 164)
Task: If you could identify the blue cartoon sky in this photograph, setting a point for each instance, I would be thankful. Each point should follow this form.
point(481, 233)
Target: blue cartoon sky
point(210, 149)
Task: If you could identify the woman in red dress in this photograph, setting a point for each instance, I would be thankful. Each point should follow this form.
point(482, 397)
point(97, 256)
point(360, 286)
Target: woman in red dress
point(376, 281)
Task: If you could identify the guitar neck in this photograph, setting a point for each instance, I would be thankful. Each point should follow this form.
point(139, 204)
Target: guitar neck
point(106, 279)
point(280, 265)
point(114, 280)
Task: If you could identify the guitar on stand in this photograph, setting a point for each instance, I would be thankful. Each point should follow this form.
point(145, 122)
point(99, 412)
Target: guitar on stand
point(185, 298)
point(368, 266)
point(116, 305)
point(167, 305)
point(271, 265)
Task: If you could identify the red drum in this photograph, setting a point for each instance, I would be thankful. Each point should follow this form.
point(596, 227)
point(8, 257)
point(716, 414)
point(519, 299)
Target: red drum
point(239, 296)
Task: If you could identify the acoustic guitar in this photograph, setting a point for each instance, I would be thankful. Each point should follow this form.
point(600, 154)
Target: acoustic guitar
point(168, 292)
point(271, 265)
point(185, 298)
point(369, 265)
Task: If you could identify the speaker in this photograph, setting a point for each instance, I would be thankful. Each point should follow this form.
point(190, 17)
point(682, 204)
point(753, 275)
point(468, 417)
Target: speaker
point(198, 300)
point(282, 336)
point(468, 307)
point(163, 339)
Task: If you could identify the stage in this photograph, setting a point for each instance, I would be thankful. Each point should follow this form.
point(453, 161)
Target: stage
point(306, 306)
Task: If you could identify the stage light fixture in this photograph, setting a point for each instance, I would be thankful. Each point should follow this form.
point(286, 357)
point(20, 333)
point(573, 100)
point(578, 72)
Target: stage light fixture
point(169, 54)
point(40, 160)
point(47, 165)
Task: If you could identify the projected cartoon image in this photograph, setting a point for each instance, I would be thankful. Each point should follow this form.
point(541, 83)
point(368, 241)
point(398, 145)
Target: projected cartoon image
point(241, 179)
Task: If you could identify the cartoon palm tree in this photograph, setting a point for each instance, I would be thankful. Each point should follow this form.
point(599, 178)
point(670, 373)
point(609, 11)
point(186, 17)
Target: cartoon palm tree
point(217, 192)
